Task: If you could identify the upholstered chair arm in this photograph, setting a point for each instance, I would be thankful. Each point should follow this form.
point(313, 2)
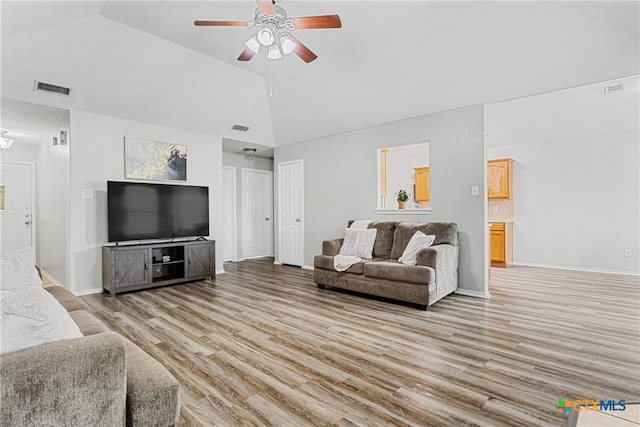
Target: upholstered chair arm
point(80, 381)
point(437, 254)
point(444, 260)
point(332, 247)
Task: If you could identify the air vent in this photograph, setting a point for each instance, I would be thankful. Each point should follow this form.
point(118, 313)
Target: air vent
point(51, 88)
point(614, 88)
point(240, 128)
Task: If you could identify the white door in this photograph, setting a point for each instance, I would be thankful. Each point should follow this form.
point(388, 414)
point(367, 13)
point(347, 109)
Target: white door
point(16, 210)
point(229, 234)
point(257, 213)
point(291, 218)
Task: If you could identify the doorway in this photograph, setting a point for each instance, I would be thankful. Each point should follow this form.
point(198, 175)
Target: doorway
point(17, 195)
point(257, 213)
point(291, 212)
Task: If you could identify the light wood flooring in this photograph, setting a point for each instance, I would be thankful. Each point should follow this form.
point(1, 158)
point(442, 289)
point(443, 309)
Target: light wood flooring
point(262, 345)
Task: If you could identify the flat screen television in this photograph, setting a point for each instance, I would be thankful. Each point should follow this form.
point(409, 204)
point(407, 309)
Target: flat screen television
point(143, 211)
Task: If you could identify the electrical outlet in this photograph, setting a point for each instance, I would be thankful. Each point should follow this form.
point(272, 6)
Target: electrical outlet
point(87, 193)
point(495, 208)
point(627, 252)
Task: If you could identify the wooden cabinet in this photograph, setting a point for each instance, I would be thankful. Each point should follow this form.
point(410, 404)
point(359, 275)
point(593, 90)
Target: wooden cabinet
point(134, 267)
point(200, 261)
point(499, 176)
point(422, 184)
point(501, 244)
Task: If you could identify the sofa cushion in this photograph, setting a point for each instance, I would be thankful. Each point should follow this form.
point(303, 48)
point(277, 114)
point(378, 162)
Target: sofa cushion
point(418, 241)
point(325, 262)
point(66, 298)
point(152, 392)
point(87, 322)
point(394, 270)
point(445, 232)
point(384, 238)
point(358, 242)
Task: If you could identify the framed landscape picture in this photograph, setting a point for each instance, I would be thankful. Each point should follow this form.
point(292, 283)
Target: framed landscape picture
point(154, 160)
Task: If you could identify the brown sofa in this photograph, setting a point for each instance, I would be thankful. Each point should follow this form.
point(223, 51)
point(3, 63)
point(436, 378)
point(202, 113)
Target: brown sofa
point(101, 379)
point(434, 276)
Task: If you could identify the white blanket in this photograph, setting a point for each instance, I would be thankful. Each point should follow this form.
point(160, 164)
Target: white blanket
point(343, 262)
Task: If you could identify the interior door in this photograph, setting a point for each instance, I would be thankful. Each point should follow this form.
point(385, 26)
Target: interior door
point(16, 210)
point(229, 234)
point(257, 213)
point(291, 215)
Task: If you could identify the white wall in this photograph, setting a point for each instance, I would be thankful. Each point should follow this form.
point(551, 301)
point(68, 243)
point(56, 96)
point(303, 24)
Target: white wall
point(53, 206)
point(97, 155)
point(576, 176)
point(340, 180)
point(116, 70)
point(239, 162)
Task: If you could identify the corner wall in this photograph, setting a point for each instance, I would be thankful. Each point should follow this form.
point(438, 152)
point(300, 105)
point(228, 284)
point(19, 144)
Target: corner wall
point(53, 206)
point(96, 156)
point(576, 175)
point(340, 182)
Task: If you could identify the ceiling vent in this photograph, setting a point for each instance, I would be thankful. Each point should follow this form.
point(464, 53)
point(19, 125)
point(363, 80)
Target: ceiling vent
point(614, 88)
point(51, 88)
point(240, 128)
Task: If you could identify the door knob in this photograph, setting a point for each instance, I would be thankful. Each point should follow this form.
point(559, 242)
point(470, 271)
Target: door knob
point(298, 220)
point(27, 222)
point(266, 219)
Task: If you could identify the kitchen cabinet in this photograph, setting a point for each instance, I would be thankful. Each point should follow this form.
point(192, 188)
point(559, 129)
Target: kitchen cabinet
point(422, 184)
point(499, 176)
point(501, 242)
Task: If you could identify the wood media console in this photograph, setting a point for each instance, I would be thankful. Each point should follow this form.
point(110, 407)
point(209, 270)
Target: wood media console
point(134, 267)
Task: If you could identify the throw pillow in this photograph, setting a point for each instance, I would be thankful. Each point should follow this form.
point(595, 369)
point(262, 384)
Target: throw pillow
point(33, 317)
point(18, 270)
point(418, 241)
point(358, 242)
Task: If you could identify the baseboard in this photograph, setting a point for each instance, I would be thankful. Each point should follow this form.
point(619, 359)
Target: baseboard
point(220, 271)
point(574, 268)
point(88, 292)
point(307, 267)
point(470, 293)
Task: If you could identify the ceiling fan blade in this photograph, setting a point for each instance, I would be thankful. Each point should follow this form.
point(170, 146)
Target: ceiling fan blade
point(302, 51)
point(246, 55)
point(221, 23)
point(322, 21)
point(266, 6)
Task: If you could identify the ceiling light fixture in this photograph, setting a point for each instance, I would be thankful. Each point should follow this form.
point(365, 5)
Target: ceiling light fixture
point(5, 142)
point(249, 153)
point(274, 27)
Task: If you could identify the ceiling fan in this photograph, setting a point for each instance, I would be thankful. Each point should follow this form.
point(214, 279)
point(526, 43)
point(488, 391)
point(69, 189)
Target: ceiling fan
point(274, 31)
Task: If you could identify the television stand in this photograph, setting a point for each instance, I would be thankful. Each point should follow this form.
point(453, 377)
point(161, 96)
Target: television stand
point(135, 267)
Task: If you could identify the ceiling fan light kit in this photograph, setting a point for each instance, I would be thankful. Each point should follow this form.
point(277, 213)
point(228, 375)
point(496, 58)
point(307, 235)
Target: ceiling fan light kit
point(273, 33)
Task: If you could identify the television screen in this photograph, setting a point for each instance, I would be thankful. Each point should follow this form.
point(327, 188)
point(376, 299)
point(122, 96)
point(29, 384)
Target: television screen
point(142, 211)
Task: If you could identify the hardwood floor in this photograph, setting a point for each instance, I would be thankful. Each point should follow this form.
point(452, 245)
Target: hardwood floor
point(262, 345)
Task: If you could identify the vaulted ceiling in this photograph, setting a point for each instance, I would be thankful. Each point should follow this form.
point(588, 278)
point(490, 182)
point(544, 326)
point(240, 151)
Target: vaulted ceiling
point(391, 60)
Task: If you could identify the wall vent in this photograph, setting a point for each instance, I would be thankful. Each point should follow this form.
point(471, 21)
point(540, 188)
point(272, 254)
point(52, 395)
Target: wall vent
point(240, 128)
point(51, 88)
point(614, 88)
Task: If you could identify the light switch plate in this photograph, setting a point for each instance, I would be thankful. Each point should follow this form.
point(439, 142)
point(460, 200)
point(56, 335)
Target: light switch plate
point(87, 193)
point(474, 190)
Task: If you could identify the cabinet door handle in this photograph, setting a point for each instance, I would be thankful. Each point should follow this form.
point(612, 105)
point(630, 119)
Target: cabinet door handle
point(145, 267)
